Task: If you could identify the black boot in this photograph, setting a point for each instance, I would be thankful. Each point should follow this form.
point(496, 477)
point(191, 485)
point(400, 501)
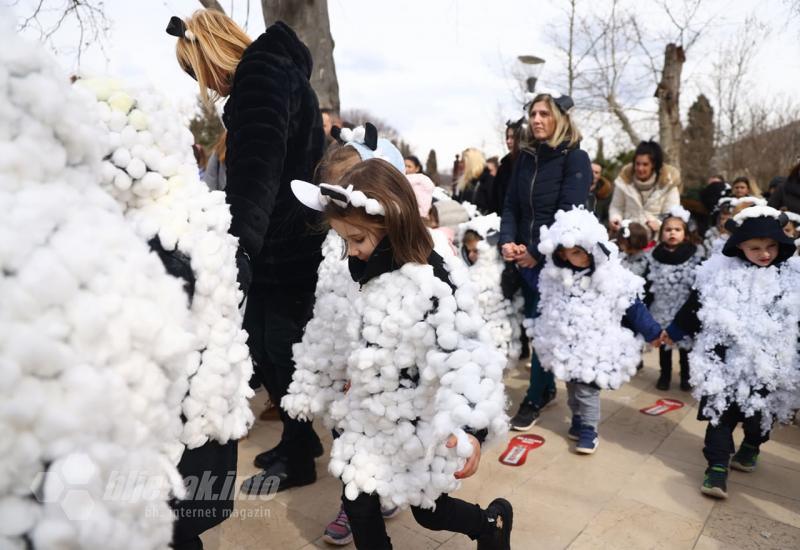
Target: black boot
point(497, 533)
point(684, 360)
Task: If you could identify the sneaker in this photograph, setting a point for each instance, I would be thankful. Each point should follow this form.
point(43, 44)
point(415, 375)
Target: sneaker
point(389, 513)
point(587, 441)
point(549, 398)
point(338, 531)
point(526, 417)
point(574, 432)
point(500, 516)
point(715, 484)
point(745, 458)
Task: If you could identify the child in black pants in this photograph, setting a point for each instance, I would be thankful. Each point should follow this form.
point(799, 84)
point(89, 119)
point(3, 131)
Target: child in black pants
point(745, 311)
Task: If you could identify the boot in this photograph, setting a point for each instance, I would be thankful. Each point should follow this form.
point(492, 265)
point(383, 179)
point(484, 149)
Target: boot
point(684, 360)
point(665, 362)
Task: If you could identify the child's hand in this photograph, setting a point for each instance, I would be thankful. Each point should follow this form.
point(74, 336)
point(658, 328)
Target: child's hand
point(658, 342)
point(509, 251)
point(524, 259)
point(471, 465)
point(666, 340)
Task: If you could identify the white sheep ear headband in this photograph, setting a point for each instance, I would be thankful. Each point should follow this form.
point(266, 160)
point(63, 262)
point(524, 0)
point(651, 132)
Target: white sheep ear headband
point(365, 140)
point(318, 197)
point(625, 225)
point(679, 212)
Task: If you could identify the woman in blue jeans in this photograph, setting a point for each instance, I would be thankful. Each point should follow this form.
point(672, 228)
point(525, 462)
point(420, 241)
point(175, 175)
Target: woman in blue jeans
point(552, 173)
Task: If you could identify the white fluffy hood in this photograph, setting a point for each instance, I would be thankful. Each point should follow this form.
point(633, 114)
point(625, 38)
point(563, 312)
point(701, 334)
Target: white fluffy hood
point(577, 227)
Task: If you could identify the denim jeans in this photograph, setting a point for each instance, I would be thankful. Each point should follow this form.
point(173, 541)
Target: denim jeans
point(584, 401)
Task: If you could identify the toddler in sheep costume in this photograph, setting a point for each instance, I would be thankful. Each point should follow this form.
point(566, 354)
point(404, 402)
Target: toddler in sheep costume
point(503, 316)
point(745, 310)
point(424, 388)
point(589, 313)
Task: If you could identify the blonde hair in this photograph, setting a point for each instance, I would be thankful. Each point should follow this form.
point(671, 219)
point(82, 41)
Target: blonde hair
point(565, 129)
point(214, 52)
point(474, 165)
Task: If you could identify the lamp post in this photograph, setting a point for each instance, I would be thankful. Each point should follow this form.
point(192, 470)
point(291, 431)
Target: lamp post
point(531, 68)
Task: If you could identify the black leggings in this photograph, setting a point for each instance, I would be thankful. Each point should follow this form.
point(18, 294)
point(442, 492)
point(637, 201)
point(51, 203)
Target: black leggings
point(719, 439)
point(450, 514)
point(665, 362)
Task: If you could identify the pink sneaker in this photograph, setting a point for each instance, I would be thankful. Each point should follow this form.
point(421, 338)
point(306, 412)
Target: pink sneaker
point(338, 531)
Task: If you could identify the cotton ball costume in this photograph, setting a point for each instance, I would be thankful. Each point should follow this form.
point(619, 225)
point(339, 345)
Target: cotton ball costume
point(635, 263)
point(503, 316)
point(150, 170)
point(753, 313)
point(578, 334)
point(670, 284)
point(96, 336)
point(421, 367)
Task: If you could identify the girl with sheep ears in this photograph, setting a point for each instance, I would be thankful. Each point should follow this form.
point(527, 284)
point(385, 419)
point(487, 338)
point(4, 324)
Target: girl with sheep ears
point(424, 386)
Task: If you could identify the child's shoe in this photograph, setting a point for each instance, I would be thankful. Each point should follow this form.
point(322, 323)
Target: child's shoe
point(745, 458)
point(574, 432)
point(715, 483)
point(497, 536)
point(587, 441)
point(526, 417)
point(663, 383)
point(389, 513)
point(338, 531)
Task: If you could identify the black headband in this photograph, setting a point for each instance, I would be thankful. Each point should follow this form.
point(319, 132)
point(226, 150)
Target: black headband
point(176, 27)
point(564, 103)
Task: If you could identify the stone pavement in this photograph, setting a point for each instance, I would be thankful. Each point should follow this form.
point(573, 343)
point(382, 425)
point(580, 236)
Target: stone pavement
point(639, 490)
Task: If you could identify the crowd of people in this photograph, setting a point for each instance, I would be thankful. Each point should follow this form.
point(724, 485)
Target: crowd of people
point(367, 296)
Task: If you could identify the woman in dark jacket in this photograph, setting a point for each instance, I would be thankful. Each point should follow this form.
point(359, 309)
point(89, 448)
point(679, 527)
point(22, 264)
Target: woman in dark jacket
point(274, 135)
point(550, 174)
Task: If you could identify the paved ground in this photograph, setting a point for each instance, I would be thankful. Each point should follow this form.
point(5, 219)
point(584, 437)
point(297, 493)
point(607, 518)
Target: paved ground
point(640, 490)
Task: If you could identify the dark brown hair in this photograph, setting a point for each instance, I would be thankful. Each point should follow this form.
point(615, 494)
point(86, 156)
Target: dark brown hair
point(379, 180)
point(639, 236)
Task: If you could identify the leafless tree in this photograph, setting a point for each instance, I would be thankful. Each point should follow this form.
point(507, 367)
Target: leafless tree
point(48, 18)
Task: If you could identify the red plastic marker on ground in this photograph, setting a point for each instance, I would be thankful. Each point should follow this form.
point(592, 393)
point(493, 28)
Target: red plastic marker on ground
point(518, 449)
point(662, 406)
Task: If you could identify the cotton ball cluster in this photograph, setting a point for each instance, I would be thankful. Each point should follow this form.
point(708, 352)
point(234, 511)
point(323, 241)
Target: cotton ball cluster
point(578, 334)
point(150, 170)
point(420, 368)
point(96, 342)
point(670, 286)
point(753, 313)
point(503, 316)
point(321, 356)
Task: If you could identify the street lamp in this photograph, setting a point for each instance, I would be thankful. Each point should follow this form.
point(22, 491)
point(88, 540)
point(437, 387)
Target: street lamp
point(530, 70)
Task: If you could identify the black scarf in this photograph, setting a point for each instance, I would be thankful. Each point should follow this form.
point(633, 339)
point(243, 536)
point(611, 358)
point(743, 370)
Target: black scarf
point(382, 261)
point(681, 254)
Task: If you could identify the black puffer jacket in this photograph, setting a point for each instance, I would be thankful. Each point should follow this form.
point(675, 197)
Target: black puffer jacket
point(274, 136)
point(787, 195)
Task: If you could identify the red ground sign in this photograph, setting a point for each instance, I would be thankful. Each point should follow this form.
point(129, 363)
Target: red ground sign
point(518, 449)
point(662, 406)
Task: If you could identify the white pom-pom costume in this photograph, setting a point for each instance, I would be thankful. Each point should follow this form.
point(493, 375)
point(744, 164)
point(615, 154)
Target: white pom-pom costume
point(503, 316)
point(578, 334)
point(96, 338)
point(420, 369)
point(150, 170)
point(753, 313)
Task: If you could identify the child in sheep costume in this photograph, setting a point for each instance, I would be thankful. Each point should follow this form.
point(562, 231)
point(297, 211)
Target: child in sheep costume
point(150, 169)
point(589, 315)
point(632, 241)
point(96, 338)
point(670, 273)
point(421, 378)
point(502, 315)
point(745, 311)
point(715, 237)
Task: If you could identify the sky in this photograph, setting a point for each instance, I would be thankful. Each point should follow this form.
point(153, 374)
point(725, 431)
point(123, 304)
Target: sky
point(439, 71)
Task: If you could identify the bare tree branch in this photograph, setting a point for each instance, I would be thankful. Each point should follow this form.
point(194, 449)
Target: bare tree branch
point(214, 5)
point(622, 116)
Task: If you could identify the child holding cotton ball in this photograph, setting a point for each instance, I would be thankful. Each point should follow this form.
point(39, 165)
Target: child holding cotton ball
point(589, 314)
point(670, 273)
point(744, 313)
point(425, 386)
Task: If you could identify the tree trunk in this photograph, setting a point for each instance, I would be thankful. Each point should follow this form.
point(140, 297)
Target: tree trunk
point(668, 94)
point(309, 19)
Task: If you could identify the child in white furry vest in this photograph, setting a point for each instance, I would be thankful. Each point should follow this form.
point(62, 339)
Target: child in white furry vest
point(745, 311)
point(670, 275)
point(589, 315)
point(502, 315)
point(715, 237)
point(424, 389)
